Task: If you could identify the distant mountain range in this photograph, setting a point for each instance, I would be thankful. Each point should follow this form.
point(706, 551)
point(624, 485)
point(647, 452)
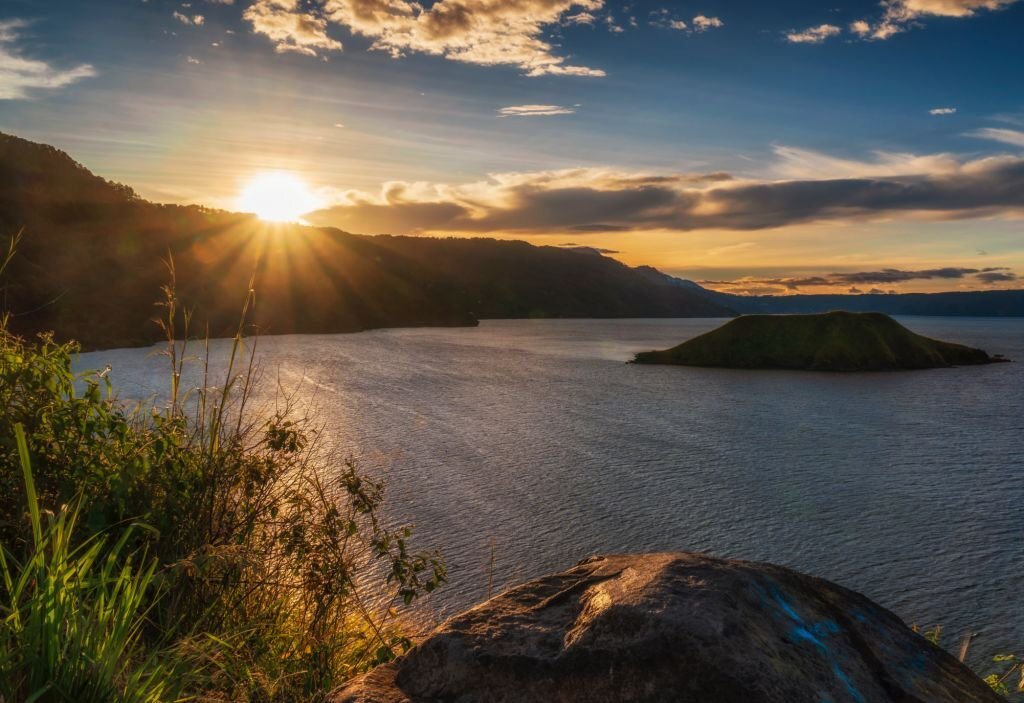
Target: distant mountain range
point(90, 267)
point(993, 303)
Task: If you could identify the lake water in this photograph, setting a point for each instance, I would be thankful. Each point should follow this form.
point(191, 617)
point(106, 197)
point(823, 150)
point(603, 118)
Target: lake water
point(536, 436)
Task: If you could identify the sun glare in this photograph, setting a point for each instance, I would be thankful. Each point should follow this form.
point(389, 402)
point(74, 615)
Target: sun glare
point(277, 196)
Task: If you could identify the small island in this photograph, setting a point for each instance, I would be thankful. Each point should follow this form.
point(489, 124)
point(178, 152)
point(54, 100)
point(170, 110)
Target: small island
point(832, 341)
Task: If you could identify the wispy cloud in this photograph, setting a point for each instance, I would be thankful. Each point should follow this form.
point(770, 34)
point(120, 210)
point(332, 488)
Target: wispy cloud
point(1006, 136)
point(587, 18)
point(187, 19)
point(938, 111)
point(884, 277)
point(702, 23)
point(997, 276)
point(665, 19)
point(535, 110)
point(482, 32)
point(588, 249)
point(812, 35)
point(19, 75)
point(804, 164)
point(612, 25)
point(900, 15)
point(605, 200)
point(730, 248)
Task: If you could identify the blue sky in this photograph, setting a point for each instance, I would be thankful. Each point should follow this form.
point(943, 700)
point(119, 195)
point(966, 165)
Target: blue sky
point(708, 138)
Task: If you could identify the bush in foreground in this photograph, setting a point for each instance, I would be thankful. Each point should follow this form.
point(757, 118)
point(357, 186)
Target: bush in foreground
point(73, 617)
point(265, 570)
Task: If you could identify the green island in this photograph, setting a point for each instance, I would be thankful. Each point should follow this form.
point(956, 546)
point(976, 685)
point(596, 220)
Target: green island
point(832, 341)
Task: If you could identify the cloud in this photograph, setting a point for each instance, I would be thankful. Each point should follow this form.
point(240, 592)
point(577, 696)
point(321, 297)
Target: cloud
point(813, 35)
point(861, 28)
point(901, 276)
point(942, 111)
point(996, 276)
point(798, 164)
point(886, 276)
point(702, 23)
point(1006, 136)
point(193, 60)
point(482, 32)
point(945, 8)
point(19, 75)
point(900, 15)
point(603, 200)
point(289, 27)
point(743, 290)
point(535, 110)
point(730, 248)
point(664, 19)
point(583, 248)
point(581, 18)
point(185, 19)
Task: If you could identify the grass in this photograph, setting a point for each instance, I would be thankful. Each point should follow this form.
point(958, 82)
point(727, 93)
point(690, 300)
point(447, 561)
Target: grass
point(74, 615)
point(209, 550)
point(835, 341)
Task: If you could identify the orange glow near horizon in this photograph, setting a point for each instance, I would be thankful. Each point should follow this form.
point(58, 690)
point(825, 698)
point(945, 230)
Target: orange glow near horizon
point(277, 196)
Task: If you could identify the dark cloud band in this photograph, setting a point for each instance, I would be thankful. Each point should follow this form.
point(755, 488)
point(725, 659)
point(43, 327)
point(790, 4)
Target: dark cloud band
point(575, 202)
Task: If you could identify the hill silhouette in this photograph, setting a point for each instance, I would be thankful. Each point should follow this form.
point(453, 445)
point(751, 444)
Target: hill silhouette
point(90, 266)
point(834, 341)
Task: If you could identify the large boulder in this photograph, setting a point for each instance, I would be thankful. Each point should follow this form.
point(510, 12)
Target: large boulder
point(685, 628)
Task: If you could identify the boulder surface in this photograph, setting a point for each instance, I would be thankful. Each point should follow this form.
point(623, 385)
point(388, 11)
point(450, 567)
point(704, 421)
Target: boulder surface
point(679, 627)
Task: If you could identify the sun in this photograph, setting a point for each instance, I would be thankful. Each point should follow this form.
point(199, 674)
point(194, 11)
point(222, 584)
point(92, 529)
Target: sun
point(277, 196)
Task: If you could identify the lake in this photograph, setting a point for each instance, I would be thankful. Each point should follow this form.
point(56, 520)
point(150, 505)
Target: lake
point(537, 437)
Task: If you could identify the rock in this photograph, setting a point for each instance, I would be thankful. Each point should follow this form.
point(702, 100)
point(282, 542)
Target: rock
point(685, 628)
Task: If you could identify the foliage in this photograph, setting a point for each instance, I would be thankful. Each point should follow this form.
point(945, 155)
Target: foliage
point(73, 615)
point(265, 557)
point(1008, 666)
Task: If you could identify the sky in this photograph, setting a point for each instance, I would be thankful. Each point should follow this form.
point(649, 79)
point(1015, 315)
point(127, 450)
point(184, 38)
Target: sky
point(758, 147)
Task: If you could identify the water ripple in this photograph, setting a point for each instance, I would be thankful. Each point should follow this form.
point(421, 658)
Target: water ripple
point(907, 487)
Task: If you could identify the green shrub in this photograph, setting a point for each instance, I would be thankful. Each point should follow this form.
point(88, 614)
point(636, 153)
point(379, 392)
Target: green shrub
point(268, 559)
point(73, 615)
